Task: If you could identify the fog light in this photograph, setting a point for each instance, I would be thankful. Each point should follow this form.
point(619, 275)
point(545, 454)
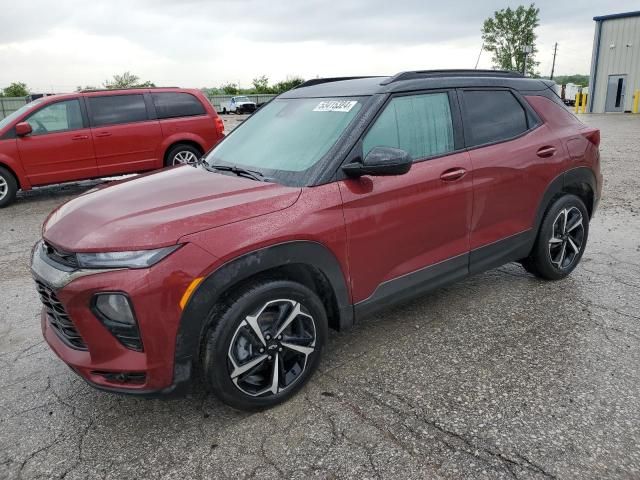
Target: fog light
point(116, 314)
point(115, 306)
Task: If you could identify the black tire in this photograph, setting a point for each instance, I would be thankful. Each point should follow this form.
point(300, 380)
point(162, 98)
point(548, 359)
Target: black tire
point(268, 303)
point(180, 150)
point(8, 187)
point(554, 254)
point(224, 110)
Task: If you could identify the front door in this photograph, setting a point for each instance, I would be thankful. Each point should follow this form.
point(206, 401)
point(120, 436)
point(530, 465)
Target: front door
point(615, 93)
point(59, 149)
point(409, 232)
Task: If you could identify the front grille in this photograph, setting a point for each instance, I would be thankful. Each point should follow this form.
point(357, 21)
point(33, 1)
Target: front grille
point(58, 317)
point(60, 256)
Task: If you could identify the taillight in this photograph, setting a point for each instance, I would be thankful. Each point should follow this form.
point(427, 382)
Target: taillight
point(219, 125)
point(593, 136)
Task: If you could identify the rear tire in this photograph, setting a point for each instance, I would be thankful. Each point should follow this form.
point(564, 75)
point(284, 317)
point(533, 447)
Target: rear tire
point(561, 240)
point(8, 187)
point(183, 154)
point(264, 344)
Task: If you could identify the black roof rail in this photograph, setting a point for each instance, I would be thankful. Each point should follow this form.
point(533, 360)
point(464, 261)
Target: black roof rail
point(91, 90)
point(416, 74)
point(318, 81)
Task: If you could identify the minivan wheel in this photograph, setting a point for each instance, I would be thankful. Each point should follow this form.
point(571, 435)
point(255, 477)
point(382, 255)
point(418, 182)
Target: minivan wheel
point(183, 154)
point(8, 187)
point(264, 344)
point(561, 240)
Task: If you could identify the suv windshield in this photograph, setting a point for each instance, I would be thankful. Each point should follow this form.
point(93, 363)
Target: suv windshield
point(25, 108)
point(287, 137)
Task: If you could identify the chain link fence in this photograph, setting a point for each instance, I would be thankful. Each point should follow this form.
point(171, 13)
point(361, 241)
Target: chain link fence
point(9, 105)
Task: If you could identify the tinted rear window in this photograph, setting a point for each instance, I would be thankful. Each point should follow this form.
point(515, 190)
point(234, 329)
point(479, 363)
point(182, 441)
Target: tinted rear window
point(493, 116)
point(111, 110)
point(174, 104)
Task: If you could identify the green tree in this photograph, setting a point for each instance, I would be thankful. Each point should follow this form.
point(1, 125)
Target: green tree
point(578, 79)
point(261, 85)
point(507, 32)
point(230, 89)
point(288, 84)
point(126, 80)
point(16, 89)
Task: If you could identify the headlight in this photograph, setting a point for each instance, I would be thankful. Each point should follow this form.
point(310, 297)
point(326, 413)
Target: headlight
point(137, 259)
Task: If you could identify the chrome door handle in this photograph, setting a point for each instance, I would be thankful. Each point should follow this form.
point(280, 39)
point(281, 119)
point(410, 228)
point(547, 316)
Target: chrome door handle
point(453, 174)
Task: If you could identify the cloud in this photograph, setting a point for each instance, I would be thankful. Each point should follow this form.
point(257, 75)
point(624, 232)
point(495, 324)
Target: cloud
point(203, 42)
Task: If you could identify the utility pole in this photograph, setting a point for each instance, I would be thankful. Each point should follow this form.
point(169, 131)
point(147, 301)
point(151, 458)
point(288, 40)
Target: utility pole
point(553, 65)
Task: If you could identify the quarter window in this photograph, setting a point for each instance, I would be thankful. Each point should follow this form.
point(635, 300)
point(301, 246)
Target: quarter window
point(493, 116)
point(115, 109)
point(174, 104)
point(57, 117)
point(419, 124)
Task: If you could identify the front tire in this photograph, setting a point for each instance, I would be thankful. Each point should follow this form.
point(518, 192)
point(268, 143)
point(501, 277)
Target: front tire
point(8, 187)
point(264, 344)
point(561, 240)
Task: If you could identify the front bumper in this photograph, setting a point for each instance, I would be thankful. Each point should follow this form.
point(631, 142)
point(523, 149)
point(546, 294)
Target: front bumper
point(155, 295)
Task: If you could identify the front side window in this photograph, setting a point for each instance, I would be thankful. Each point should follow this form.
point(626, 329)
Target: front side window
point(115, 109)
point(493, 116)
point(175, 104)
point(418, 124)
point(57, 117)
point(287, 136)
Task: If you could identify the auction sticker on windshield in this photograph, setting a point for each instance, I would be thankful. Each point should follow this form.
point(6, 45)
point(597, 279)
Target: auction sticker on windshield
point(335, 106)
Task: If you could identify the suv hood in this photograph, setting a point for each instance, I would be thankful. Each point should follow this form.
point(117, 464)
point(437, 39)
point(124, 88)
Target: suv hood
point(156, 210)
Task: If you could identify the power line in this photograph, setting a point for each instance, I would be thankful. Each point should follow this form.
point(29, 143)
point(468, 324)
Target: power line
point(479, 53)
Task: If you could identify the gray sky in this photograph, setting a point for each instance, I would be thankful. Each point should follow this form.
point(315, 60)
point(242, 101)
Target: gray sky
point(57, 45)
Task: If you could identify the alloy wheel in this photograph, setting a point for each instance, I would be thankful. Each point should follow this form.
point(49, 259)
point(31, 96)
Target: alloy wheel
point(185, 157)
point(270, 348)
point(567, 237)
point(4, 188)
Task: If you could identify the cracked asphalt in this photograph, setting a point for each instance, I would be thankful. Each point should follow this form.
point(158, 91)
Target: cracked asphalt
point(498, 376)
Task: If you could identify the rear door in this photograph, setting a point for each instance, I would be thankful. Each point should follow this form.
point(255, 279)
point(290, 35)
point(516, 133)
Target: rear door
point(514, 157)
point(410, 231)
point(59, 149)
point(126, 135)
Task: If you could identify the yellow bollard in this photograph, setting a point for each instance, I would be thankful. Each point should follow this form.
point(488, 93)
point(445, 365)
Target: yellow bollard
point(577, 104)
point(636, 98)
point(584, 102)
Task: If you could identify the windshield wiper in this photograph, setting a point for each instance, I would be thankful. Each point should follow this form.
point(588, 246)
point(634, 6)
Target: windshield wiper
point(241, 172)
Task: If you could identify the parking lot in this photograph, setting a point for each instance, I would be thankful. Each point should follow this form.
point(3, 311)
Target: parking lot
point(499, 376)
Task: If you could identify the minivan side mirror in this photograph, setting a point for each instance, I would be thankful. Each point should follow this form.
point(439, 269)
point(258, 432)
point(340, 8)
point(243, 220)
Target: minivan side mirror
point(380, 161)
point(23, 128)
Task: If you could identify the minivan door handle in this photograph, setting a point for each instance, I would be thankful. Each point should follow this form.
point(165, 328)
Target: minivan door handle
point(80, 137)
point(453, 174)
point(546, 151)
point(103, 134)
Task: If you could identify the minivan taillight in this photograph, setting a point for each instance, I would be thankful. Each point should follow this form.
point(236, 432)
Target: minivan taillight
point(593, 136)
point(219, 125)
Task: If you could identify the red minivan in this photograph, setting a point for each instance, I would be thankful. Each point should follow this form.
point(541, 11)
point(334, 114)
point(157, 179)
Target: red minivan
point(100, 133)
point(333, 201)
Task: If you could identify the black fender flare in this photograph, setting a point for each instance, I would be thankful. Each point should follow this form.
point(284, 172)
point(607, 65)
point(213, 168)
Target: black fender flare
point(562, 184)
point(195, 316)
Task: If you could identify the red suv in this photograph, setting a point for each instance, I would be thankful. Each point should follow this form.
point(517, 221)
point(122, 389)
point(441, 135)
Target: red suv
point(336, 199)
point(101, 133)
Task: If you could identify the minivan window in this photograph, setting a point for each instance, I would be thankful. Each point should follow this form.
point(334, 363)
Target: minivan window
point(56, 117)
point(287, 135)
point(15, 115)
point(175, 104)
point(419, 124)
point(115, 109)
point(492, 116)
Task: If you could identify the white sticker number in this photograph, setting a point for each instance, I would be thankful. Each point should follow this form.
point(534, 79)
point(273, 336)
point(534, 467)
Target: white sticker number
point(335, 106)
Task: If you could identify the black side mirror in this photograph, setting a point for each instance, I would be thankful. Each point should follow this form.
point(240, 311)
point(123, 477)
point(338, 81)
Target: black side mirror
point(380, 161)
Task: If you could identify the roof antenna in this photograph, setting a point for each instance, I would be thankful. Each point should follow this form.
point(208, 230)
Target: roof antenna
point(480, 53)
